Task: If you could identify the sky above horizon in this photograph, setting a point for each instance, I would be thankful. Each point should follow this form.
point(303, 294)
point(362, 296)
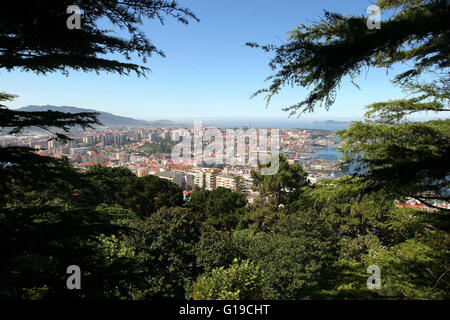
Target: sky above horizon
point(208, 72)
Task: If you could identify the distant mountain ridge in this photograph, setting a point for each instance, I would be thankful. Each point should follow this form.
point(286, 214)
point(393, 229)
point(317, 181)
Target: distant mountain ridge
point(107, 119)
point(111, 120)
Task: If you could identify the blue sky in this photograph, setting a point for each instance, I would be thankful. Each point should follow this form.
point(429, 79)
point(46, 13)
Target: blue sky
point(208, 72)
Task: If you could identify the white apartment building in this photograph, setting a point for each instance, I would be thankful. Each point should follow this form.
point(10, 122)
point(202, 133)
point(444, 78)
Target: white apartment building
point(225, 181)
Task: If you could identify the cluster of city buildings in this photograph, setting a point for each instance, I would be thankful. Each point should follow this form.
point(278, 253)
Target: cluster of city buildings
point(127, 147)
point(314, 150)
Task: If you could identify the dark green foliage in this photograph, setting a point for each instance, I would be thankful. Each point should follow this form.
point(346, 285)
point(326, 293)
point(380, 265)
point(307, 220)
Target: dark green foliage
point(224, 207)
point(241, 281)
point(39, 243)
point(346, 280)
point(164, 246)
point(285, 186)
point(260, 216)
point(220, 208)
point(150, 193)
point(34, 36)
point(416, 268)
point(64, 220)
point(349, 208)
point(143, 196)
point(294, 257)
point(240, 186)
point(109, 183)
point(215, 249)
point(280, 194)
point(50, 224)
point(410, 159)
point(197, 202)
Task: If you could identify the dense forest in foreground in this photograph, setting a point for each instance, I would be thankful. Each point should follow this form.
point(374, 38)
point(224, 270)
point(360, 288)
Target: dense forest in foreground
point(135, 238)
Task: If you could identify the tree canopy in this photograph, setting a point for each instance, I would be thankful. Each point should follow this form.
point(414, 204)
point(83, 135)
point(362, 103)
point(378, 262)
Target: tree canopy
point(396, 158)
point(51, 215)
point(339, 47)
point(34, 36)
